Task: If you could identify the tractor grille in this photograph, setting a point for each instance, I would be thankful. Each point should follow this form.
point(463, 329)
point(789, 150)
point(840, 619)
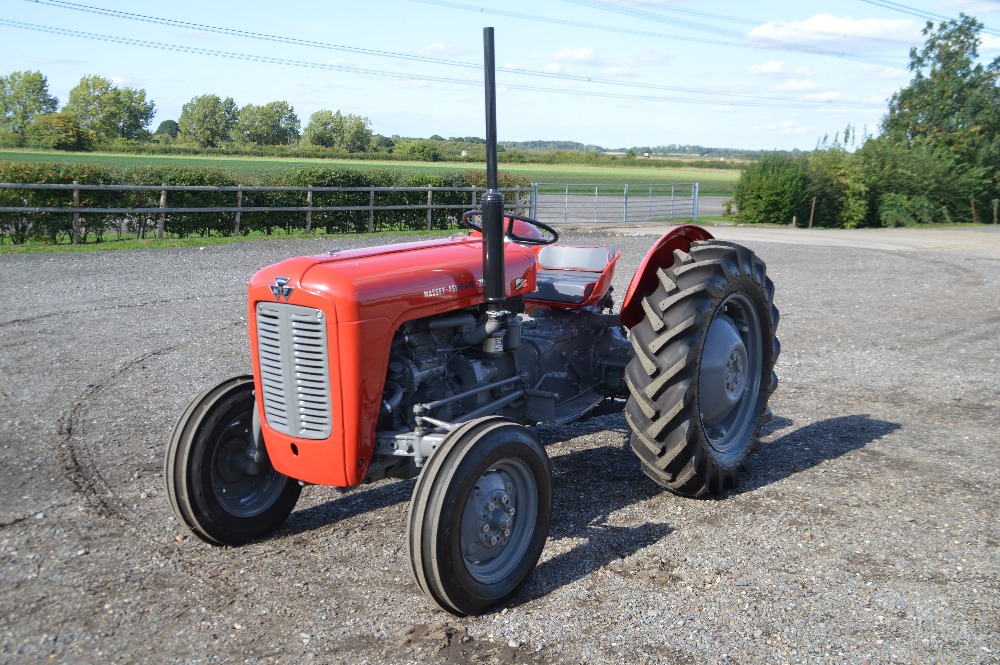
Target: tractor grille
point(294, 371)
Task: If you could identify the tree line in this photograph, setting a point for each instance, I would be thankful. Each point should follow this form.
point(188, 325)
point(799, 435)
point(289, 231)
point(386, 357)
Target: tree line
point(936, 158)
point(102, 113)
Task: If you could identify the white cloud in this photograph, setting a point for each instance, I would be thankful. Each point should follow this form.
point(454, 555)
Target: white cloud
point(783, 127)
point(827, 28)
point(798, 84)
point(823, 96)
point(989, 44)
point(778, 68)
point(653, 57)
point(886, 73)
point(581, 56)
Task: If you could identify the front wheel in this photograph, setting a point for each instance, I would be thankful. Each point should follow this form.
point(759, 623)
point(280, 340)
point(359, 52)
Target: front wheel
point(218, 487)
point(703, 368)
point(480, 515)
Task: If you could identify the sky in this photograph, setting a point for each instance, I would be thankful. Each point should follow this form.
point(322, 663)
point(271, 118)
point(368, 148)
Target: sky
point(771, 74)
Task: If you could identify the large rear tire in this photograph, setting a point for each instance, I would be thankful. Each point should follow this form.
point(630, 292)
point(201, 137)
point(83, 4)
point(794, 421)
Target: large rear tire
point(222, 495)
point(480, 515)
point(703, 368)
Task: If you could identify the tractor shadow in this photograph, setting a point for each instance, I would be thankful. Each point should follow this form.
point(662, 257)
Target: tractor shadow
point(808, 447)
point(346, 506)
point(591, 485)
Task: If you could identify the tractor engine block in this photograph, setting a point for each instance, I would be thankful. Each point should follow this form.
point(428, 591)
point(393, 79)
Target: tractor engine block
point(555, 365)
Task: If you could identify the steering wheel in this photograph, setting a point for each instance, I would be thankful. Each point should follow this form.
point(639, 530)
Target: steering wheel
point(509, 231)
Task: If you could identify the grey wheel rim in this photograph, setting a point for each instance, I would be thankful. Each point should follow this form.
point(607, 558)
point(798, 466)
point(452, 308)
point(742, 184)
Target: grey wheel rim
point(499, 520)
point(729, 373)
point(241, 489)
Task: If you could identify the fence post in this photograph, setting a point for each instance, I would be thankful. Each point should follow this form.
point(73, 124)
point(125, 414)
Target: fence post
point(239, 213)
point(566, 205)
point(533, 201)
point(430, 195)
point(812, 212)
point(309, 213)
point(371, 210)
point(595, 201)
point(649, 206)
point(76, 214)
point(694, 203)
point(625, 207)
point(162, 222)
point(673, 200)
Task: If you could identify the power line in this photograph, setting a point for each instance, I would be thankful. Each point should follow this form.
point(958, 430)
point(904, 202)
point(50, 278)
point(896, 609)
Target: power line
point(590, 80)
point(730, 98)
point(738, 39)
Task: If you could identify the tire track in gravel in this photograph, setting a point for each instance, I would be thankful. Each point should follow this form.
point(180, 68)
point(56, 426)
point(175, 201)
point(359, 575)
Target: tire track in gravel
point(108, 308)
point(82, 466)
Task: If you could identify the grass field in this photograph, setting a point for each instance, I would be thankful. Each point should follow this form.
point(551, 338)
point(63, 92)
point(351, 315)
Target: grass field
point(712, 182)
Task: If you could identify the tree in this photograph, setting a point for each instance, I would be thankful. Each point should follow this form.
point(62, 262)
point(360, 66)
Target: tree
point(274, 123)
point(168, 127)
point(773, 190)
point(208, 120)
point(24, 96)
point(357, 133)
point(350, 133)
point(109, 112)
point(953, 102)
point(325, 128)
point(57, 131)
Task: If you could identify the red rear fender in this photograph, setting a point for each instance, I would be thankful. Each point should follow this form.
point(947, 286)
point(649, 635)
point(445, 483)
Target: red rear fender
point(660, 256)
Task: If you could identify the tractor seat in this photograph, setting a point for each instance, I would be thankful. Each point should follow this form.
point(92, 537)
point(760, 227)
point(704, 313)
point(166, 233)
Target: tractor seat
point(569, 274)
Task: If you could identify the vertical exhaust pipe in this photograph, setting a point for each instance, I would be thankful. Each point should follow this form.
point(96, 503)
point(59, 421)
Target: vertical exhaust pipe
point(492, 205)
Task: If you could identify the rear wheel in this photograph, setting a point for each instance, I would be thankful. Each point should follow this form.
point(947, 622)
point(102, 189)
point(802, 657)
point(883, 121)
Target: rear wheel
point(216, 487)
point(480, 515)
point(703, 368)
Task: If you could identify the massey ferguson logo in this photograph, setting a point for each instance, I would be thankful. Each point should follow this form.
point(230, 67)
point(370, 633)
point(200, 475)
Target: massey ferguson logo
point(279, 290)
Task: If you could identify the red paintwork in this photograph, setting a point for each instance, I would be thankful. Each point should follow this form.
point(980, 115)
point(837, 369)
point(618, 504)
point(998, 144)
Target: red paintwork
point(366, 294)
point(660, 256)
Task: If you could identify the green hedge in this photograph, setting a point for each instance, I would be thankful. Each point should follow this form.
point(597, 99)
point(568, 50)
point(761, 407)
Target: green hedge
point(19, 228)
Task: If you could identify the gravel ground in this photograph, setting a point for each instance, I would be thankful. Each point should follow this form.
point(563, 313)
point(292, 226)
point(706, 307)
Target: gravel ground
point(865, 531)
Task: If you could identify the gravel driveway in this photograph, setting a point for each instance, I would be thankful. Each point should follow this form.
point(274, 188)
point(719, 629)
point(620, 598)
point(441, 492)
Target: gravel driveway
point(865, 531)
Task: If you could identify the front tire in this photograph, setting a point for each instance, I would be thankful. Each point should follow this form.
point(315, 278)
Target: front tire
point(215, 489)
point(703, 368)
point(480, 515)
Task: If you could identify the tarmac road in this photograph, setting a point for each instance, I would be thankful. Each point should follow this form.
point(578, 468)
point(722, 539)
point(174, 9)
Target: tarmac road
point(865, 530)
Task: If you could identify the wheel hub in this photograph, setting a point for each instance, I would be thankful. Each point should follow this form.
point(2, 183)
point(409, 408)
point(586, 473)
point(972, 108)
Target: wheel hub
point(722, 380)
point(490, 517)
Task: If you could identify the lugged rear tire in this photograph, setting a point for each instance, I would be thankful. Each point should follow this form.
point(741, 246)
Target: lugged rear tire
point(703, 368)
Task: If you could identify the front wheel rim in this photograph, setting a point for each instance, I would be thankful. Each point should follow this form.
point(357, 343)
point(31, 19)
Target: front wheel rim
point(729, 374)
point(240, 491)
point(499, 520)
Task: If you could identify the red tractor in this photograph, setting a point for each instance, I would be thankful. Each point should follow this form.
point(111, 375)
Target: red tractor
point(432, 359)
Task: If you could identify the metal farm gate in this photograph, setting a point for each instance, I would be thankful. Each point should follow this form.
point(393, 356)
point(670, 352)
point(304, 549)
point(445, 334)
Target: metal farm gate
point(594, 204)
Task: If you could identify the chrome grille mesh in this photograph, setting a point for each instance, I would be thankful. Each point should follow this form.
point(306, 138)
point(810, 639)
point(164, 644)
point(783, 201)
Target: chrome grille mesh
point(294, 369)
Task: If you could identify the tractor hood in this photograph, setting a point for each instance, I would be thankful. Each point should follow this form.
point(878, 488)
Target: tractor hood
point(396, 282)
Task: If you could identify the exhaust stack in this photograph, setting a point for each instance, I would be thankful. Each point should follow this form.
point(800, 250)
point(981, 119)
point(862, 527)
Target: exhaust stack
point(492, 204)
